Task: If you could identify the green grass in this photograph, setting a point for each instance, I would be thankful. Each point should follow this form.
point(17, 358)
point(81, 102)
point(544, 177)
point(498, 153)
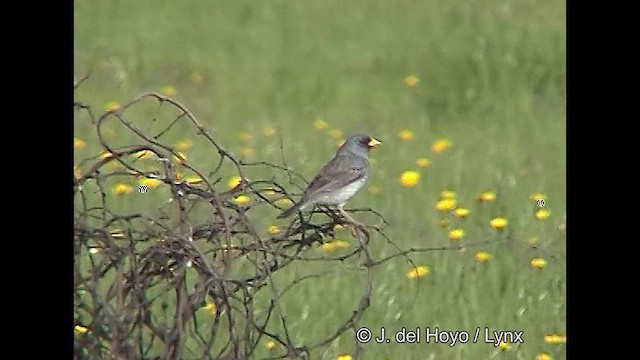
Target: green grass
point(492, 80)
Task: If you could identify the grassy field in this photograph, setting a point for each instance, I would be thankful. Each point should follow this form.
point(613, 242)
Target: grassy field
point(489, 78)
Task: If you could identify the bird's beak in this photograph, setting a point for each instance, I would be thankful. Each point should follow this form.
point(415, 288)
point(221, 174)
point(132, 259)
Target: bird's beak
point(373, 142)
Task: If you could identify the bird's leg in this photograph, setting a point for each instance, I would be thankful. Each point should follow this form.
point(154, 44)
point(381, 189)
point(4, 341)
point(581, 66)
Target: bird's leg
point(348, 217)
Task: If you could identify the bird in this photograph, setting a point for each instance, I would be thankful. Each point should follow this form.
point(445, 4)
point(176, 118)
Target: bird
point(341, 178)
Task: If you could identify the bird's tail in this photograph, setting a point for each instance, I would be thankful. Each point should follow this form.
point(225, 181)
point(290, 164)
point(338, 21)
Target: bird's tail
point(291, 210)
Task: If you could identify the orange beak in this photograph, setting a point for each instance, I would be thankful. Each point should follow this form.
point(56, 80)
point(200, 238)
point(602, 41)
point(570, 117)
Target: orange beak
point(373, 142)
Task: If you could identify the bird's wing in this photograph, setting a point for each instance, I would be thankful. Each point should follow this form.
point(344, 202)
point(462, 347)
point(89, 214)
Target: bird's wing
point(338, 172)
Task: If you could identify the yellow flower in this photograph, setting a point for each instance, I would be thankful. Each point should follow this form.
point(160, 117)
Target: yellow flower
point(268, 131)
point(106, 155)
point(273, 229)
point(270, 345)
point(487, 196)
point(233, 181)
point(423, 162)
point(247, 153)
point(320, 124)
point(504, 346)
point(482, 256)
point(183, 145)
point(456, 234)
point(411, 80)
point(334, 245)
point(143, 154)
point(418, 272)
point(78, 143)
point(543, 356)
point(193, 180)
point(112, 106)
point(338, 227)
point(242, 200)
point(555, 339)
point(542, 214)
point(197, 78)
point(538, 263)
point(461, 213)
point(405, 135)
point(169, 90)
point(344, 357)
point(77, 173)
point(537, 196)
point(336, 134)
point(210, 307)
point(409, 178)
point(447, 194)
point(116, 233)
point(498, 223)
point(374, 189)
point(79, 329)
point(152, 183)
point(180, 158)
point(284, 202)
point(440, 145)
point(121, 188)
point(445, 205)
point(245, 137)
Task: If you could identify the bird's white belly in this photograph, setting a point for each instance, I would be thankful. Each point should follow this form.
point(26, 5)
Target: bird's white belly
point(341, 196)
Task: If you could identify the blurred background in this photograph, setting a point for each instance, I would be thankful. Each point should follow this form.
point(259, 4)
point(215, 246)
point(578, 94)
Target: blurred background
point(467, 97)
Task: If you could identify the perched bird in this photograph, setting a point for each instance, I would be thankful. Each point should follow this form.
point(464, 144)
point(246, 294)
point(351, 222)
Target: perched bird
point(340, 178)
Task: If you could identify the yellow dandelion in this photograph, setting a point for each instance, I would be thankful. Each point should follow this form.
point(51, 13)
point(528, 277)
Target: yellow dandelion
point(537, 196)
point(542, 214)
point(273, 229)
point(116, 233)
point(444, 223)
point(152, 183)
point(121, 189)
point(405, 135)
point(338, 227)
point(543, 356)
point(242, 200)
point(555, 339)
point(179, 175)
point(344, 357)
point(461, 213)
point(143, 154)
point(245, 137)
point(498, 223)
point(183, 145)
point(440, 145)
point(482, 256)
point(418, 272)
point(320, 124)
point(504, 346)
point(180, 158)
point(111, 106)
point(336, 134)
point(77, 173)
point(423, 162)
point(487, 196)
point(456, 234)
point(445, 205)
point(538, 263)
point(193, 180)
point(284, 202)
point(447, 194)
point(247, 153)
point(234, 181)
point(78, 143)
point(409, 178)
point(79, 329)
point(334, 245)
point(411, 80)
point(269, 192)
point(270, 345)
point(106, 155)
point(210, 308)
point(197, 78)
point(169, 90)
point(268, 131)
point(374, 189)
